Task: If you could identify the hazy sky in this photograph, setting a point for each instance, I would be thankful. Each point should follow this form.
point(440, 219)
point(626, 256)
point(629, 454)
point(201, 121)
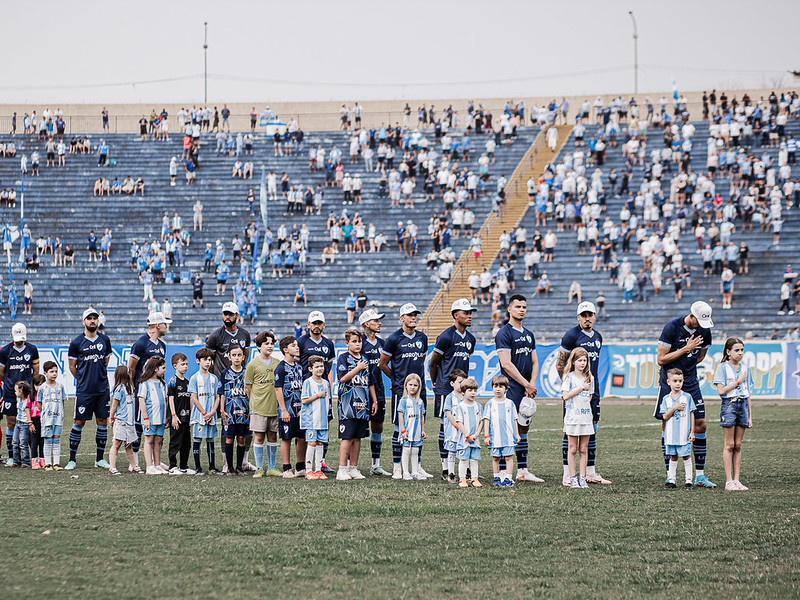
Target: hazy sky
point(146, 51)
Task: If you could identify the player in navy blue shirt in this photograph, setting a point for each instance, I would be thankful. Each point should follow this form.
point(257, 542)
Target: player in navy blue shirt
point(452, 351)
point(19, 361)
point(315, 344)
point(371, 347)
point(406, 349)
point(584, 336)
point(288, 389)
point(516, 350)
point(89, 354)
point(683, 344)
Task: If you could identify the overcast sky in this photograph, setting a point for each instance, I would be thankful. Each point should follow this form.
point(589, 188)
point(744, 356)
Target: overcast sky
point(142, 51)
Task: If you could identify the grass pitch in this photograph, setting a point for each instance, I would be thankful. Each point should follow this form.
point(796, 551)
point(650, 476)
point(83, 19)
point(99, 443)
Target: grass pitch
point(95, 536)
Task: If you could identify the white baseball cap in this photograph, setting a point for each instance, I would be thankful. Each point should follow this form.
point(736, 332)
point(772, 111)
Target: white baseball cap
point(462, 304)
point(89, 312)
point(230, 307)
point(369, 315)
point(586, 307)
point(19, 333)
point(157, 318)
point(527, 408)
point(316, 315)
point(409, 309)
point(702, 312)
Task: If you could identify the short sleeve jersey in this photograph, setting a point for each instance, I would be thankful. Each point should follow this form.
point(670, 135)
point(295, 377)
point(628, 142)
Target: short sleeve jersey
point(372, 352)
point(126, 405)
point(502, 418)
point(179, 390)
point(455, 350)
point(407, 355)
point(205, 387)
point(726, 374)
point(675, 335)
point(469, 416)
point(521, 343)
point(578, 409)
point(578, 338)
point(52, 400)
point(354, 400)
point(676, 429)
point(90, 362)
point(260, 375)
point(413, 411)
point(18, 365)
point(143, 350)
point(155, 395)
point(309, 347)
point(220, 342)
point(231, 387)
point(289, 379)
point(314, 415)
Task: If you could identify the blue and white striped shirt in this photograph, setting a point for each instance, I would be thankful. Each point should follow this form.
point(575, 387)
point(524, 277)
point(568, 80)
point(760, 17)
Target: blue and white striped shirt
point(126, 409)
point(726, 375)
point(502, 417)
point(676, 431)
point(314, 415)
point(412, 410)
point(154, 393)
point(469, 415)
point(52, 401)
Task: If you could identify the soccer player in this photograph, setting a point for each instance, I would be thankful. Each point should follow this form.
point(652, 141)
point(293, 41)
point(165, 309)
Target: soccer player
point(89, 354)
point(500, 415)
point(288, 386)
point(259, 385)
point(678, 413)
point(516, 350)
point(371, 346)
point(452, 351)
point(357, 401)
point(315, 398)
point(203, 418)
point(146, 347)
point(180, 408)
point(19, 360)
point(406, 350)
point(583, 335)
point(314, 343)
point(683, 345)
point(235, 409)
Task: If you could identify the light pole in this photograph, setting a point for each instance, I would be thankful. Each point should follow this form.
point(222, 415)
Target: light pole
point(205, 63)
point(635, 55)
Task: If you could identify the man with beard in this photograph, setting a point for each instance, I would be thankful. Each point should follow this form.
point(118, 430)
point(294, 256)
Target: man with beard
point(19, 361)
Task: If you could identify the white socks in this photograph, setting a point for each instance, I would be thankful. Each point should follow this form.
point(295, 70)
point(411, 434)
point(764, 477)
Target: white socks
point(451, 462)
point(404, 459)
point(672, 470)
point(687, 470)
point(310, 458)
point(411, 452)
point(462, 469)
point(590, 470)
point(473, 468)
point(318, 449)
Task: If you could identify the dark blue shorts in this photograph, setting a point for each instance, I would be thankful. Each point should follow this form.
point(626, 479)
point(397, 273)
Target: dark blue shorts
point(88, 406)
point(693, 390)
point(289, 430)
point(380, 414)
point(8, 407)
point(438, 408)
point(234, 430)
point(351, 429)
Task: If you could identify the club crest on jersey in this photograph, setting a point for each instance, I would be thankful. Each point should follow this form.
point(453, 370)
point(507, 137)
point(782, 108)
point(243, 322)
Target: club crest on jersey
point(325, 349)
point(418, 344)
point(528, 338)
point(597, 344)
point(241, 343)
point(469, 345)
point(27, 357)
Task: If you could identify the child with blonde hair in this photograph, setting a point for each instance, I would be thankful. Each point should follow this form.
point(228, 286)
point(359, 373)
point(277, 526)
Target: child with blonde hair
point(411, 420)
point(576, 391)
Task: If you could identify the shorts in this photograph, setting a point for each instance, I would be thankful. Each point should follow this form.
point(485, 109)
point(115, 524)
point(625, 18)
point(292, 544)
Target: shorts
point(503, 451)
point(468, 453)
point(450, 445)
point(204, 431)
point(380, 414)
point(125, 433)
point(317, 435)
point(52, 431)
point(99, 406)
point(352, 429)
point(685, 450)
point(197, 295)
point(9, 407)
point(222, 281)
point(234, 430)
point(291, 430)
point(693, 390)
point(595, 405)
point(734, 413)
point(438, 405)
point(410, 444)
point(154, 430)
point(262, 424)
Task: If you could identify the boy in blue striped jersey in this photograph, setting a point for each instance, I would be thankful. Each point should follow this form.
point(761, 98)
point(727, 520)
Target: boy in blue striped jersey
point(469, 423)
point(316, 399)
point(203, 418)
point(449, 431)
point(501, 430)
point(677, 409)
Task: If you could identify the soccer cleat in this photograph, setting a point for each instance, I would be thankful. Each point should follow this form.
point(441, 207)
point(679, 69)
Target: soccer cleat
point(582, 482)
point(595, 478)
point(573, 482)
point(48, 468)
point(451, 478)
point(258, 474)
point(70, 466)
point(309, 475)
point(324, 468)
point(418, 477)
point(445, 475)
point(301, 473)
point(565, 480)
point(58, 468)
point(526, 476)
point(114, 471)
point(102, 464)
point(703, 481)
point(496, 482)
point(343, 475)
point(424, 473)
point(408, 477)
point(356, 474)
point(289, 474)
point(463, 483)
point(670, 485)
point(688, 485)
point(320, 475)
point(397, 473)
point(476, 483)
point(274, 473)
point(740, 486)
point(379, 470)
point(248, 466)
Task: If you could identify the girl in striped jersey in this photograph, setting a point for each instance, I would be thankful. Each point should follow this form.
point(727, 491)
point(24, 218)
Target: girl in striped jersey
point(123, 415)
point(152, 403)
point(51, 397)
point(411, 420)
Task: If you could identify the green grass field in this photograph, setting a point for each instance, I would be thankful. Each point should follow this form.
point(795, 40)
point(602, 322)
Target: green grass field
point(95, 536)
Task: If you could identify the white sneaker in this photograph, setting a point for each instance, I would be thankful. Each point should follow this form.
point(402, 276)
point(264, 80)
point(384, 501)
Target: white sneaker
point(225, 468)
point(565, 480)
point(154, 471)
point(162, 470)
point(397, 472)
point(424, 473)
point(356, 474)
point(418, 476)
point(187, 471)
point(249, 467)
point(175, 471)
point(524, 475)
point(342, 475)
point(164, 467)
point(407, 477)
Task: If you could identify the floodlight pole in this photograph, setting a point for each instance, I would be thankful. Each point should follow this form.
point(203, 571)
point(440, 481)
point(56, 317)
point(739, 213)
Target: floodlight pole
point(205, 63)
point(635, 55)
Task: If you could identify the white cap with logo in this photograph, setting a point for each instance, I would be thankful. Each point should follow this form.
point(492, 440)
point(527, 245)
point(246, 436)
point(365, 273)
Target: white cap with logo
point(230, 307)
point(19, 333)
point(409, 309)
point(462, 304)
point(702, 312)
point(586, 307)
point(89, 312)
point(316, 316)
point(527, 408)
point(157, 318)
point(369, 315)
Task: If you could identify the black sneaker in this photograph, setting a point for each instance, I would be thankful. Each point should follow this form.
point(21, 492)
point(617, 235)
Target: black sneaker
point(688, 486)
point(670, 486)
point(451, 478)
point(445, 475)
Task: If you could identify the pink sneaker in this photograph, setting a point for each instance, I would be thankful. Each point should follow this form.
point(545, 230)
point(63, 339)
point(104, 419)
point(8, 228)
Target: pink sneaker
point(42, 465)
point(35, 464)
point(741, 486)
point(730, 486)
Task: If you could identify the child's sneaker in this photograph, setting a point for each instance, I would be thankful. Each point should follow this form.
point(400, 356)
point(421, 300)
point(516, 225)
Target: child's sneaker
point(324, 468)
point(565, 480)
point(463, 483)
point(740, 486)
point(496, 482)
point(445, 475)
point(582, 482)
point(418, 477)
point(573, 482)
point(48, 468)
point(597, 478)
point(424, 473)
point(688, 485)
point(321, 474)
point(730, 486)
point(114, 471)
point(287, 474)
point(58, 468)
point(397, 472)
point(274, 473)
point(175, 471)
point(137, 469)
point(476, 483)
point(407, 477)
point(451, 478)
point(35, 464)
point(258, 474)
point(670, 485)
point(70, 465)
point(200, 473)
point(153, 471)
point(343, 475)
point(356, 474)
point(310, 475)
point(507, 482)
point(10, 462)
point(300, 474)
